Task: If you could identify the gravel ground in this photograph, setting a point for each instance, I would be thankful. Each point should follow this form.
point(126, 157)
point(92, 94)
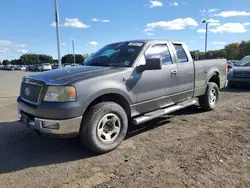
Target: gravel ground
point(190, 148)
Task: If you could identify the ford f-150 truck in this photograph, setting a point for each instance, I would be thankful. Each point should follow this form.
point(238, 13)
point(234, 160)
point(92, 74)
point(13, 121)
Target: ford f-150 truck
point(124, 83)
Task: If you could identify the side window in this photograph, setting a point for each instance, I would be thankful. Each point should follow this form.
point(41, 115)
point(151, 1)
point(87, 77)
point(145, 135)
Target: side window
point(159, 51)
point(181, 54)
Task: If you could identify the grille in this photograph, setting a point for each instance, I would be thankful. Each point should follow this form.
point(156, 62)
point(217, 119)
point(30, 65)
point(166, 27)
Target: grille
point(242, 75)
point(30, 92)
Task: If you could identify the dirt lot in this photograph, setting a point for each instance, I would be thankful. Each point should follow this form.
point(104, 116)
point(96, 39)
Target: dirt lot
point(189, 149)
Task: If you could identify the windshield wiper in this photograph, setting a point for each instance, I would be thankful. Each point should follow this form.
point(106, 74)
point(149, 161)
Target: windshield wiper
point(101, 64)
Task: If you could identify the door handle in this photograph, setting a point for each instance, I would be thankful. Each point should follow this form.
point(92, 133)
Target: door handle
point(174, 72)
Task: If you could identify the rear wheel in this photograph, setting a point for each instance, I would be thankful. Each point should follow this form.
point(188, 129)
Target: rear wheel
point(104, 127)
point(209, 100)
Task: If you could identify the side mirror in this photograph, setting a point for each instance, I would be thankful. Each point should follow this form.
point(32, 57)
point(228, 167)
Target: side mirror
point(153, 64)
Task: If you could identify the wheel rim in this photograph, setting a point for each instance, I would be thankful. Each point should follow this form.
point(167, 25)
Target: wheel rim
point(212, 97)
point(108, 128)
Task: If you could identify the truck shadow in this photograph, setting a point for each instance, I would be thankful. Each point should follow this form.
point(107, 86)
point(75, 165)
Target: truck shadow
point(22, 148)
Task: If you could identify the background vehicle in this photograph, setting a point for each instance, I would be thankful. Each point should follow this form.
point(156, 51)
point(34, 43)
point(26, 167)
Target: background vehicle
point(74, 64)
point(10, 67)
point(232, 63)
point(45, 67)
point(23, 67)
point(66, 65)
point(240, 73)
point(55, 66)
point(133, 81)
point(17, 67)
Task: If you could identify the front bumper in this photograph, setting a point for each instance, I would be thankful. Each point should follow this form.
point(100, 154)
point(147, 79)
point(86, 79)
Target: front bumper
point(53, 127)
point(238, 81)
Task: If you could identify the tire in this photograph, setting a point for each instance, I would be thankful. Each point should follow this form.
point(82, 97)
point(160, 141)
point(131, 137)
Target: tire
point(104, 127)
point(206, 102)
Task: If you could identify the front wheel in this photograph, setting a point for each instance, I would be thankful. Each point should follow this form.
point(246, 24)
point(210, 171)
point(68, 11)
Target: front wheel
point(104, 127)
point(209, 100)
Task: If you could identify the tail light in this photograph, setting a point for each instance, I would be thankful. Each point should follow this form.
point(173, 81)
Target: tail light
point(226, 69)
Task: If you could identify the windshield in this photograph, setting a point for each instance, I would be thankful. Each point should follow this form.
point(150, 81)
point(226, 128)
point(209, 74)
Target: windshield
point(245, 62)
point(121, 54)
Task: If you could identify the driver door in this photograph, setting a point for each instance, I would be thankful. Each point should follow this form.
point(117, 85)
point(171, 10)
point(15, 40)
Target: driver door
point(154, 88)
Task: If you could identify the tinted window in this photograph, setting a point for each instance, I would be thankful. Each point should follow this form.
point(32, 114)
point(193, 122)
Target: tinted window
point(159, 51)
point(181, 54)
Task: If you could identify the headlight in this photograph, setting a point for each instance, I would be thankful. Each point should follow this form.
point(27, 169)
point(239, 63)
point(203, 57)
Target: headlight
point(230, 71)
point(60, 94)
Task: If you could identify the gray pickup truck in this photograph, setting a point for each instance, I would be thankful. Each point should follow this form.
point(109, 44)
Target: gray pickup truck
point(122, 84)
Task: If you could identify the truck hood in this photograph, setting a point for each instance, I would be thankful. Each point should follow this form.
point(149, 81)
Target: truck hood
point(71, 74)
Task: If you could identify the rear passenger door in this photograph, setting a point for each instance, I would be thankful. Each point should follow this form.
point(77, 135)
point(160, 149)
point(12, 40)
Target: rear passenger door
point(186, 72)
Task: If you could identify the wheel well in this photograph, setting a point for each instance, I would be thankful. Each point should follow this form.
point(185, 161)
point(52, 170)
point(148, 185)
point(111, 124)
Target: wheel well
point(215, 79)
point(112, 97)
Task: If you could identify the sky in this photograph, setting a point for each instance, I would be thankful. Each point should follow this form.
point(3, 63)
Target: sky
point(28, 26)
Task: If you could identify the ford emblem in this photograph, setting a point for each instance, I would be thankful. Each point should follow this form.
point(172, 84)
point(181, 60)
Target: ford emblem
point(27, 91)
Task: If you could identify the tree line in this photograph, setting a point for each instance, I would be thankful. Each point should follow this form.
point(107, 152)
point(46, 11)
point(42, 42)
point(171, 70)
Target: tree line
point(233, 51)
point(31, 59)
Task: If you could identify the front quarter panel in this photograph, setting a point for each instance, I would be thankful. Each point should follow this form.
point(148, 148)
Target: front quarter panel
point(91, 89)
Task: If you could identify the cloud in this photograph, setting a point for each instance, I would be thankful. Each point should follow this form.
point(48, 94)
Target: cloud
point(106, 21)
point(212, 10)
point(150, 34)
point(174, 4)
point(192, 41)
point(95, 20)
point(219, 43)
point(5, 43)
point(213, 22)
point(201, 30)
point(22, 51)
point(21, 45)
point(4, 50)
point(246, 24)
point(63, 44)
point(75, 23)
point(98, 20)
point(177, 24)
point(71, 22)
point(148, 29)
point(155, 3)
point(202, 11)
point(229, 28)
point(226, 14)
point(93, 43)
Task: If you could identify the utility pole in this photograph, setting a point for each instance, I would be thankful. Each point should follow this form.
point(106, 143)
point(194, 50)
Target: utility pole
point(206, 22)
point(73, 47)
point(58, 34)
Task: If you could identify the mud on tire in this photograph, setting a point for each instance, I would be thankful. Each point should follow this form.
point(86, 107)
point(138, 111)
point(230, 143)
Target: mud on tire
point(104, 127)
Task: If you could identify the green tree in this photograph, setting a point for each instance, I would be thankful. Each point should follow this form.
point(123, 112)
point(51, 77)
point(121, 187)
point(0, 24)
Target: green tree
point(15, 62)
point(244, 49)
point(233, 51)
point(6, 62)
point(69, 58)
point(45, 58)
point(79, 59)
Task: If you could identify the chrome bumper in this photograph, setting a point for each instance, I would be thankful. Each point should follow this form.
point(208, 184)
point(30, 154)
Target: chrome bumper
point(67, 127)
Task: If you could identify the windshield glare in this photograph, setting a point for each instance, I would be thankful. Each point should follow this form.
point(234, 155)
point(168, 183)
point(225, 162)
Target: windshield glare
point(121, 54)
point(245, 62)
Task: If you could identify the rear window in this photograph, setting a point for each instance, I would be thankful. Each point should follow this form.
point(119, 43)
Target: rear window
point(181, 54)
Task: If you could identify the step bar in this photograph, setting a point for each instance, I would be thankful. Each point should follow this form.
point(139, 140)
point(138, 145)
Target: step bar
point(158, 113)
